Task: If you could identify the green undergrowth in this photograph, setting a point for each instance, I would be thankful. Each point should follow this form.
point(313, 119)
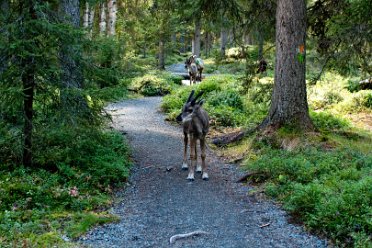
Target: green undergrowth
point(67, 191)
point(323, 178)
point(155, 83)
point(327, 185)
point(226, 105)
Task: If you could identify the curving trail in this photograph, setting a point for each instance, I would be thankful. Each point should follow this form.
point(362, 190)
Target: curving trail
point(159, 202)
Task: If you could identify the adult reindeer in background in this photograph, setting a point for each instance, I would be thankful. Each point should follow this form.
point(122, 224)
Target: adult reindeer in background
point(195, 67)
point(195, 121)
point(192, 70)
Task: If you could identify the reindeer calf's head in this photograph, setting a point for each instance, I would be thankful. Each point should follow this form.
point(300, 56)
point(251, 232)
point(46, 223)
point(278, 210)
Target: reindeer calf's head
point(190, 108)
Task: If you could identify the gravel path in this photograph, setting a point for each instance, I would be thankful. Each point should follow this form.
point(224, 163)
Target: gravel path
point(158, 203)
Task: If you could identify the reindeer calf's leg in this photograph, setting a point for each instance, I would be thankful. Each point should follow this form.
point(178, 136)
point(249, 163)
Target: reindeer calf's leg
point(204, 166)
point(185, 141)
point(193, 159)
point(198, 165)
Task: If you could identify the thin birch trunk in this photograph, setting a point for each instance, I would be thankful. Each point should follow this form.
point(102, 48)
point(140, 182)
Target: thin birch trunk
point(112, 9)
point(86, 16)
point(91, 20)
point(102, 18)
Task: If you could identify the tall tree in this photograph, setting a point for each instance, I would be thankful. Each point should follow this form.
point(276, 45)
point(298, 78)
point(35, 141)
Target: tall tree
point(289, 98)
point(102, 18)
point(196, 38)
point(71, 71)
point(28, 80)
point(112, 11)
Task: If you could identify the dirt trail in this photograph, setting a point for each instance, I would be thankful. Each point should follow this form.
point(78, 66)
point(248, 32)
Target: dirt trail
point(158, 203)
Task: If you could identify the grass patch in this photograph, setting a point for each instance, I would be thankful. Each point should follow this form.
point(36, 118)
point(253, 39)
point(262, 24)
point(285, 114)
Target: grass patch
point(68, 191)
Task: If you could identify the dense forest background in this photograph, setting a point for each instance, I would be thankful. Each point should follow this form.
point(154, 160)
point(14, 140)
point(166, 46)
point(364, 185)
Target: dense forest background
point(62, 61)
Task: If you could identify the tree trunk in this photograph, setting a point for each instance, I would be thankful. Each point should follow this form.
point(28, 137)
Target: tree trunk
point(183, 43)
point(260, 44)
point(289, 98)
point(86, 16)
point(224, 36)
point(28, 85)
point(111, 6)
point(71, 75)
point(4, 8)
point(102, 18)
point(91, 20)
point(196, 38)
point(161, 63)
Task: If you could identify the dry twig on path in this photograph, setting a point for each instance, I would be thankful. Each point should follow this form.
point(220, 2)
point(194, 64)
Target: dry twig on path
point(174, 238)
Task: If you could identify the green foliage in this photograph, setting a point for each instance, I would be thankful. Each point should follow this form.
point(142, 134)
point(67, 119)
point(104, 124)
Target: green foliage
point(76, 169)
point(230, 98)
point(329, 191)
point(223, 103)
point(155, 83)
point(328, 121)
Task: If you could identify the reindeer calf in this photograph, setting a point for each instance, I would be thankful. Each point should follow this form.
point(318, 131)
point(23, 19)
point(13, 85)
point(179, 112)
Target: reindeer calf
point(195, 123)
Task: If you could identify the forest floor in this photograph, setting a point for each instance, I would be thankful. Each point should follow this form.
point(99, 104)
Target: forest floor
point(158, 202)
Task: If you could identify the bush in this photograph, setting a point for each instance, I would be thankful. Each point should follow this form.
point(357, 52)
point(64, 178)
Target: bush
point(328, 121)
point(329, 191)
point(229, 98)
point(363, 99)
point(225, 116)
point(151, 85)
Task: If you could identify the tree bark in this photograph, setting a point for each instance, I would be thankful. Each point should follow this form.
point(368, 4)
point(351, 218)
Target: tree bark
point(86, 16)
point(260, 44)
point(161, 63)
point(4, 8)
point(28, 87)
point(71, 75)
point(91, 20)
point(223, 42)
point(289, 98)
point(112, 9)
point(196, 38)
point(102, 18)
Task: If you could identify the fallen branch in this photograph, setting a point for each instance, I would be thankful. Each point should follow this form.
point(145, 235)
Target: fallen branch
point(264, 225)
point(228, 138)
point(174, 238)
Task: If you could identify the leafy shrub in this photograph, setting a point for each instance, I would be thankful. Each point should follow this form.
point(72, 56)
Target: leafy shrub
point(229, 98)
point(333, 97)
point(329, 191)
point(260, 92)
point(363, 99)
point(151, 85)
point(327, 121)
point(225, 116)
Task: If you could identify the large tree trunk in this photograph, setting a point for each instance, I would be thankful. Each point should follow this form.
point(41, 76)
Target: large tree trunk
point(102, 18)
point(71, 75)
point(196, 38)
point(289, 99)
point(111, 5)
point(223, 42)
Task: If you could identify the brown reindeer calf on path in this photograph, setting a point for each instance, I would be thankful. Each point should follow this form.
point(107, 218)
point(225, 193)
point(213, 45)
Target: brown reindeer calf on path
point(195, 121)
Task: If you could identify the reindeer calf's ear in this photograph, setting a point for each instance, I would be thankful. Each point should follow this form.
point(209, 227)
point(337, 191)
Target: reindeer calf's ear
point(201, 102)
